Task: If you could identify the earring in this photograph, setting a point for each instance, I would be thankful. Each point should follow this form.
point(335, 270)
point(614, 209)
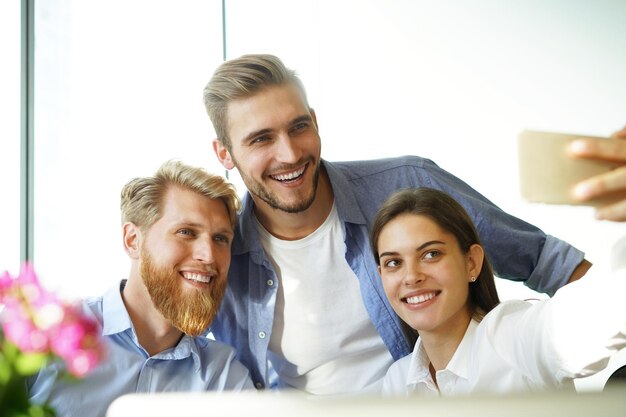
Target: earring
point(473, 279)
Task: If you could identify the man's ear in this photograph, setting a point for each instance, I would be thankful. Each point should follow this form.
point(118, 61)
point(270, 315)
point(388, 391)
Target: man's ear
point(132, 240)
point(314, 116)
point(222, 154)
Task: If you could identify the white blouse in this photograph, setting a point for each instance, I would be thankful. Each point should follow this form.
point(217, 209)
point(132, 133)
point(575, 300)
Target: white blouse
point(522, 346)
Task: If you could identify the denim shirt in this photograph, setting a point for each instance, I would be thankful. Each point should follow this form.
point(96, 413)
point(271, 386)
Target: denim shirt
point(516, 250)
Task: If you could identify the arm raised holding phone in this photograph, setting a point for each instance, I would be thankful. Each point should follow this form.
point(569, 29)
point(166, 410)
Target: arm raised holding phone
point(604, 184)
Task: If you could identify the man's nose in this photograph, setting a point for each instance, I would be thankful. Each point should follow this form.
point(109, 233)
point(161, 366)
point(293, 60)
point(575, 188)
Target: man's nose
point(287, 150)
point(203, 250)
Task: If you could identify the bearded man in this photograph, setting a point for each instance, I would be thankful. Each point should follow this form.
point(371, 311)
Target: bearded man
point(177, 230)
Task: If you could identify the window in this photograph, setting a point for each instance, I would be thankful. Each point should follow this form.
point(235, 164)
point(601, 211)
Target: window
point(118, 92)
point(10, 136)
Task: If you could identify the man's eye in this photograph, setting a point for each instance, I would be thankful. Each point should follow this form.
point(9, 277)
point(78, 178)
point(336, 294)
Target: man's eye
point(221, 239)
point(260, 139)
point(299, 127)
point(186, 232)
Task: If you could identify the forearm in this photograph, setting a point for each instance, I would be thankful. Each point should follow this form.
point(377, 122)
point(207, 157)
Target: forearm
point(580, 271)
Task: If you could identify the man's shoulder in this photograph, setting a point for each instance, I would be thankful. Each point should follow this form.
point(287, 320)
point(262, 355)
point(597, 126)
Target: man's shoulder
point(362, 168)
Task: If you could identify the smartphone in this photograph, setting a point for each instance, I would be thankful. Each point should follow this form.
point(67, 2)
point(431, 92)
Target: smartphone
point(547, 173)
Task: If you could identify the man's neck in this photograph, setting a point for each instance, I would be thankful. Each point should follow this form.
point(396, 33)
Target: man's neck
point(154, 333)
point(294, 226)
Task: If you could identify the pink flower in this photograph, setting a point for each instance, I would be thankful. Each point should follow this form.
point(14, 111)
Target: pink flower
point(37, 321)
point(23, 333)
point(83, 362)
point(6, 281)
point(76, 341)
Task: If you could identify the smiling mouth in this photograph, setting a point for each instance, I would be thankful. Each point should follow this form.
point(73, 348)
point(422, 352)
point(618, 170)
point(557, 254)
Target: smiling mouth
point(289, 176)
point(196, 277)
point(422, 298)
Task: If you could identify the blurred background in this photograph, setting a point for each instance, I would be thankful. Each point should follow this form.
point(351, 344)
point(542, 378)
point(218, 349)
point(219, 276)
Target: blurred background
point(95, 92)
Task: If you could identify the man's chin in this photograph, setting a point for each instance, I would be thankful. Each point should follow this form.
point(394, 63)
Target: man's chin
point(194, 327)
point(292, 206)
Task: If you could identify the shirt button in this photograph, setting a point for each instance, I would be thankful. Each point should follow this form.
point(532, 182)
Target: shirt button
point(270, 282)
point(259, 385)
point(262, 335)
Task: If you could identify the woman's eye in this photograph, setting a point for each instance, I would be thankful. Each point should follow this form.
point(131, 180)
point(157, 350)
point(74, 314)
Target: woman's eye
point(392, 263)
point(432, 254)
point(186, 232)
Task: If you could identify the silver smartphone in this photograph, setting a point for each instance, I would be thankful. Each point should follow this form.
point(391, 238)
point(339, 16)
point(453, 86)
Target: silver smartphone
point(547, 173)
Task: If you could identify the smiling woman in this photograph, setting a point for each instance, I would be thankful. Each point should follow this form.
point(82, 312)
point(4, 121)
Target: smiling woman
point(439, 282)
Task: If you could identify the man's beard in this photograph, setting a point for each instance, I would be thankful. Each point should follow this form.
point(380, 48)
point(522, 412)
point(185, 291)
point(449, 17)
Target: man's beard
point(264, 193)
point(190, 311)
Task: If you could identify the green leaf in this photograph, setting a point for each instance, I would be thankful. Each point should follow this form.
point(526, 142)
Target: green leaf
point(30, 363)
point(41, 411)
point(5, 370)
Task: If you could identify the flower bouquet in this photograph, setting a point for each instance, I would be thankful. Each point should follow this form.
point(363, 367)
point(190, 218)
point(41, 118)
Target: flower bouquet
point(38, 327)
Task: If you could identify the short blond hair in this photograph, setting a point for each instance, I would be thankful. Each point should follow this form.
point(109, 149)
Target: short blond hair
point(240, 78)
point(142, 198)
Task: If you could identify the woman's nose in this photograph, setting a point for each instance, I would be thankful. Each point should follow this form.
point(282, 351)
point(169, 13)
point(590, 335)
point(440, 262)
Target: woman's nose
point(413, 275)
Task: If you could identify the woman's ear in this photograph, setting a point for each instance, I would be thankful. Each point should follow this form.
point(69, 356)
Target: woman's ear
point(132, 240)
point(222, 154)
point(475, 257)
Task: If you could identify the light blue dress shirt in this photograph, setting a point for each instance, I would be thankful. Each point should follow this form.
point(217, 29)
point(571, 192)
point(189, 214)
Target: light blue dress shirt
point(516, 249)
point(195, 364)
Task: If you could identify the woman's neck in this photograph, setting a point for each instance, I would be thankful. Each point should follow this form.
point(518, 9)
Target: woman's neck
point(441, 344)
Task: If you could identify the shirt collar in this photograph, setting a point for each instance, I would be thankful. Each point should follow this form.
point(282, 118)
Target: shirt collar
point(115, 318)
point(458, 365)
point(460, 361)
point(347, 203)
point(187, 346)
point(247, 237)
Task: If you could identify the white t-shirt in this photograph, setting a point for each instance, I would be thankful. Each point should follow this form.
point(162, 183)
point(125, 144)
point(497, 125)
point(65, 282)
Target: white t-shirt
point(321, 326)
point(521, 346)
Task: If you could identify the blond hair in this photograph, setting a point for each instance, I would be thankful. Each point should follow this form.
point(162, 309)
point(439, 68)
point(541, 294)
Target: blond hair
point(240, 78)
point(142, 198)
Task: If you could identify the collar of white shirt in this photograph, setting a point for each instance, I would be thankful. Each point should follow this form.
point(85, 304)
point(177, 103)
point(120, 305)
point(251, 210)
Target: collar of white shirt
point(458, 367)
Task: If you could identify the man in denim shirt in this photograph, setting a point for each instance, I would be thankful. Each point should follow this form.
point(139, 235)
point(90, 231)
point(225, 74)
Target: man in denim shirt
point(305, 307)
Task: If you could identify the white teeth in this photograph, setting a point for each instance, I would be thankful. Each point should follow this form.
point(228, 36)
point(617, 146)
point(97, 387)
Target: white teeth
point(289, 176)
point(197, 277)
point(418, 299)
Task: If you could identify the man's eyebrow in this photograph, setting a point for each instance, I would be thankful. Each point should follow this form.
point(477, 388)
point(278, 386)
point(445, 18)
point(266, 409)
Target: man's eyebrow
point(256, 133)
point(195, 225)
point(300, 119)
point(261, 132)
